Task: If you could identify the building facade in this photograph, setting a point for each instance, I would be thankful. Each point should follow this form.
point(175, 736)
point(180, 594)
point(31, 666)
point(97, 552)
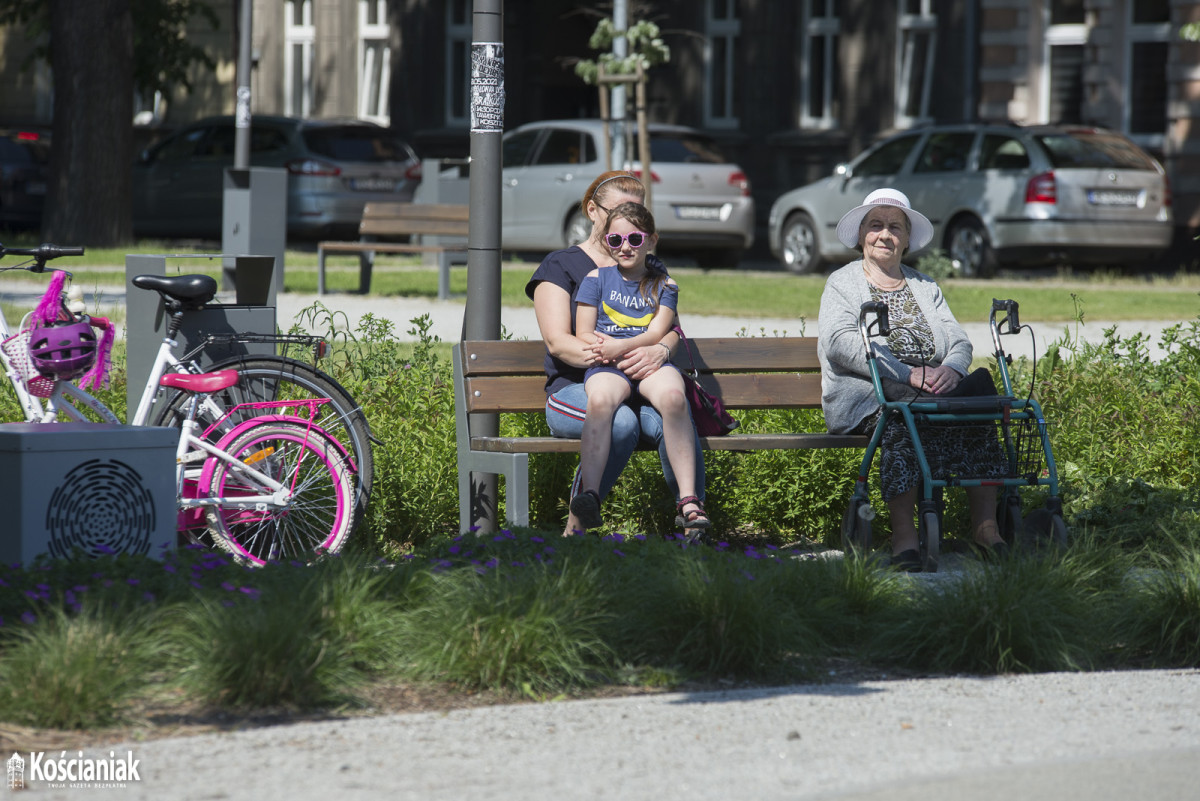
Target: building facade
point(789, 88)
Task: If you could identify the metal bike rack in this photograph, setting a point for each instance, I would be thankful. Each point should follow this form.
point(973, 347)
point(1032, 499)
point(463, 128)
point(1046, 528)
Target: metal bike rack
point(145, 323)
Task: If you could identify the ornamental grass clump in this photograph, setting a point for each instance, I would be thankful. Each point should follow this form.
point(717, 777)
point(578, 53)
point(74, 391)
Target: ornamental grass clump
point(1027, 614)
point(1161, 621)
point(716, 614)
point(78, 669)
point(310, 639)
point(531, 629)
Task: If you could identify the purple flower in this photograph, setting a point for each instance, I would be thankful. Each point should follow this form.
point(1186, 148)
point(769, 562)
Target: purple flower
point(169, 567)
point(80, 588)
point(196, 584)
point(104, 549)
point(132, 582)
point(250, 591)
point(536, 538)
point(453, 549)
point(28, 618)
point(228, 587)
point(618, 553)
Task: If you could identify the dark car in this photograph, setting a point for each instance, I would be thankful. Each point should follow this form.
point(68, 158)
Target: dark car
point(996, 195)
point(334, 168)
point(24, 169)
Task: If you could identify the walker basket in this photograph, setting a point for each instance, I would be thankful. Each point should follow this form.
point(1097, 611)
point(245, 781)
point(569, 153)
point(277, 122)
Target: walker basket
point(16, 348)
point(998, 449)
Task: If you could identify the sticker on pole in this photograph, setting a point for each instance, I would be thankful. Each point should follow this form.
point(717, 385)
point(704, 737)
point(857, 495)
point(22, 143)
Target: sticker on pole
point(487, 87)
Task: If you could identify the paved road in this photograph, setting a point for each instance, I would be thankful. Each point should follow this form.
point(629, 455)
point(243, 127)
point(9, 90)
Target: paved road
point(1060, 737)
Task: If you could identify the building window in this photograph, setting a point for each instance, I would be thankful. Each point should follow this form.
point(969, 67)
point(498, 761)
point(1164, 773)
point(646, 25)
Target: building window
point(1145, 106)
point(374, 61)
point(458, 63)
point(915, 50)
point(298, 36)
point(1062, 81)
point(723, 27)
point(818, 69)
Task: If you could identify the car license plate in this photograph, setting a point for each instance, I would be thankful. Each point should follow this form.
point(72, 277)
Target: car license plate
point(698, 212)
point(373, 184)
point(1113, 197)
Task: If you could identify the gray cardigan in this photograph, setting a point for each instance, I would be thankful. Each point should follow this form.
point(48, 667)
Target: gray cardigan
point(847, 395)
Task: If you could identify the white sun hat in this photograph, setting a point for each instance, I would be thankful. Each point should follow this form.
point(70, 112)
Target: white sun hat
point(922, 229)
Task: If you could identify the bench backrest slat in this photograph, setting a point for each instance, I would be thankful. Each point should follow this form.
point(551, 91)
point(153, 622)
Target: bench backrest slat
point(397, 219)
point(745, 372)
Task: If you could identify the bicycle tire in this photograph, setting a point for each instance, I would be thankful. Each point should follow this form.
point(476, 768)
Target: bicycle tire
point(76, 405)
point(320, 516)
point(261, 378)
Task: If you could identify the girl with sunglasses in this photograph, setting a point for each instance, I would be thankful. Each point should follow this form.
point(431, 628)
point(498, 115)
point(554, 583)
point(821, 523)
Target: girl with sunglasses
point(629, 305)
point(553, 288)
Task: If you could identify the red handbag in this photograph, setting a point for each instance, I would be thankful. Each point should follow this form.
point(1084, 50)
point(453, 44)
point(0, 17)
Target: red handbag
point(708, 412)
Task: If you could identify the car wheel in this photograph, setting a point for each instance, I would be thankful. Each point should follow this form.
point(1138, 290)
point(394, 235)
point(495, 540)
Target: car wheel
point(798, 245)
point(969, 249)
point(578, 229)
point(715, 258)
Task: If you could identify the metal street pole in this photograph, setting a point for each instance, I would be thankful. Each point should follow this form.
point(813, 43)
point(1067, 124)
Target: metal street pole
point(482, 316)
point(620, 50)
point(241, 142)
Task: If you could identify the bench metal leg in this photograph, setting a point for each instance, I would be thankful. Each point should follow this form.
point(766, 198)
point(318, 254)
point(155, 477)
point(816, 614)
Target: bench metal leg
point(443, 275)
point(366, 260)
point(515, 469)
point(320, 271)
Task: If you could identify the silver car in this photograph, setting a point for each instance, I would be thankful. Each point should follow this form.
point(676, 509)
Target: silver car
point(334, 167)
point(996, 195)
point(701, 201)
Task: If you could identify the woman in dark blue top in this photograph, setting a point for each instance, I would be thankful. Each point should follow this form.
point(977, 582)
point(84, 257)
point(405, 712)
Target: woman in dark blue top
point(553, 288)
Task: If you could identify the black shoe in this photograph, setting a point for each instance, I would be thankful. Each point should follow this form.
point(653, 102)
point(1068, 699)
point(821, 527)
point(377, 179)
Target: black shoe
point(586, 506)
point(996, 552)
point(907, 561)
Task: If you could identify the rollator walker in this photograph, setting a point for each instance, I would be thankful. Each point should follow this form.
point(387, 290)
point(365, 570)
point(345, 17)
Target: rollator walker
point(1017, 424)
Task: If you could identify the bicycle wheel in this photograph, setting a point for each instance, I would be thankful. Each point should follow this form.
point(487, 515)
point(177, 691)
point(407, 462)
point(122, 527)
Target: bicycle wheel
point(272, 378)
point(319, 514)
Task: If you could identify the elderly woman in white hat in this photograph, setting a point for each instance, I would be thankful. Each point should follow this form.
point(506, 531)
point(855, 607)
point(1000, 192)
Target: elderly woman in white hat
point(927, 353)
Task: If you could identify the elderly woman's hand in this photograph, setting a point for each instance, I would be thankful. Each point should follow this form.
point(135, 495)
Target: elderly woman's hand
point(642, 362)
point(934, 380)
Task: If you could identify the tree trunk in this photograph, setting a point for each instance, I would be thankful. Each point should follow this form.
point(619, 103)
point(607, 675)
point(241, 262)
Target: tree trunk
point(88, 199)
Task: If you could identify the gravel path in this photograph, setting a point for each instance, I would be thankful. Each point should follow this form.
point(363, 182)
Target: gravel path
point(1094, 736)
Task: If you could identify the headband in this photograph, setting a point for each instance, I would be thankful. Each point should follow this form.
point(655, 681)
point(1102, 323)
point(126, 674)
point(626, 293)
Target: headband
point(606, 180)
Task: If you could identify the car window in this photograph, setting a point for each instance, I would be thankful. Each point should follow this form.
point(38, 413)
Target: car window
point(945, 152)
point(1001, 152)
point(1099, 150)
point(562, 146)
point(887, 159)
point(517, 147)
point(672, 148)
point(266, 140)
point(180, 147)
point(351, 143)
point(220, 144)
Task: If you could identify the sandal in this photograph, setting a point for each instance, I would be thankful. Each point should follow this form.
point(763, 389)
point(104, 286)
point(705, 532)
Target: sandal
point(586, 507)
point(693, 519)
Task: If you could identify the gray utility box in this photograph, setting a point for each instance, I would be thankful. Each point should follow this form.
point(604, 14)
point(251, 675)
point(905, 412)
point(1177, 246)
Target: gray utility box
point(86, 489)
point(146, 320)
point(254, 218)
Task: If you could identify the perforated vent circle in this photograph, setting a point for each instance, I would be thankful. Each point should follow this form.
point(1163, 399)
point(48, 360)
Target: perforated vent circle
point(101, 507)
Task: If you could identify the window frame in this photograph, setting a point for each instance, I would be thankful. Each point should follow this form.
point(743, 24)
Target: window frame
point(911, 30)
point(825, 27)
point(298, 40)
point(728, 29)
point(458, 34)
point(374, 62)
point(1142, 33)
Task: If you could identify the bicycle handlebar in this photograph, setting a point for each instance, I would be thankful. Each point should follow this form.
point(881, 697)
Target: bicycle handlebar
point(42, 253)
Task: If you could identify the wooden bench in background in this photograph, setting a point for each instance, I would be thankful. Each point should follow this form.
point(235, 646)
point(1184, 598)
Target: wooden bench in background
point(414, 220)
point(497, 377)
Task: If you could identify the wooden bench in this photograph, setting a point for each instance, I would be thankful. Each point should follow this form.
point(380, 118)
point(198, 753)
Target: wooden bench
point(413, 220)
point(496, 377)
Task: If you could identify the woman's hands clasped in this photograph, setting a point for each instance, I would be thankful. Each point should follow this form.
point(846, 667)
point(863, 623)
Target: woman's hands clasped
point(934, 380)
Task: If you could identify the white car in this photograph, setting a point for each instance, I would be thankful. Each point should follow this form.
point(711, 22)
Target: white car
point(996, 194)
point(701, 202)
